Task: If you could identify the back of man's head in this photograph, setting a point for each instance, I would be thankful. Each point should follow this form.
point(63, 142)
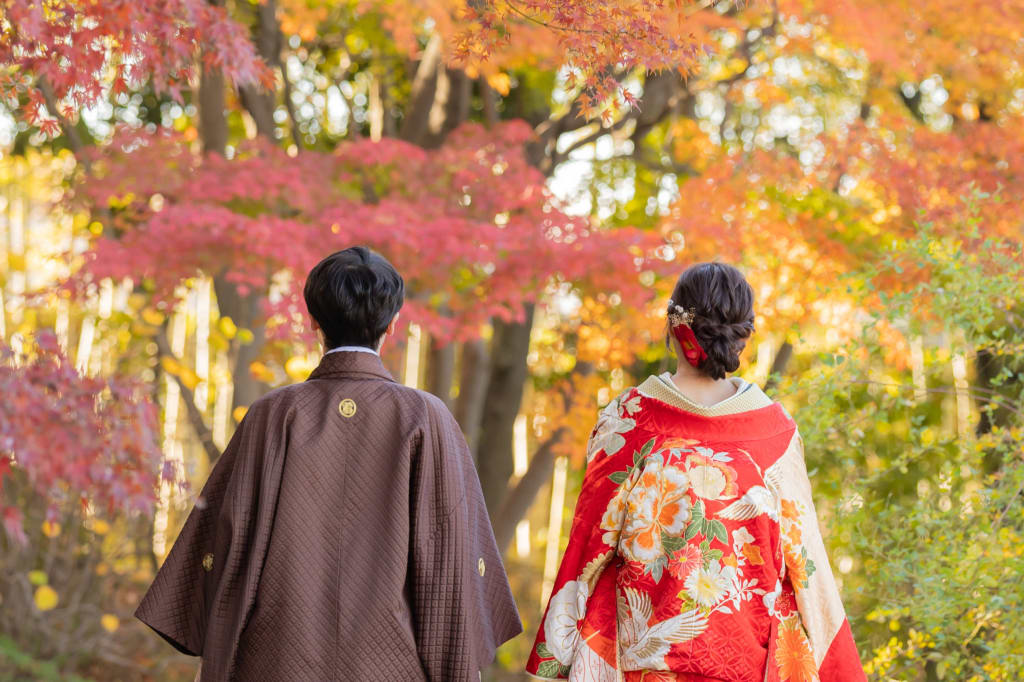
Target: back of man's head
point(353, 295)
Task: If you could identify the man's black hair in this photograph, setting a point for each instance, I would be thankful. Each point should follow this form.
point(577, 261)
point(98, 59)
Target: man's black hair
point(353, 295)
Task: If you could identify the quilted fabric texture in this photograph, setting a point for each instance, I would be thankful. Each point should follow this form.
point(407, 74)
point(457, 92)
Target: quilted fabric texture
point(338, 542)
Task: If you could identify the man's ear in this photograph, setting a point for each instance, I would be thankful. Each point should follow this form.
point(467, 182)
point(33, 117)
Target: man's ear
point(314, 325)
point(391, 326)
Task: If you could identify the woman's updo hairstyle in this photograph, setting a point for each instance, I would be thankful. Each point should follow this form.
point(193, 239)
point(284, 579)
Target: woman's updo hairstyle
point(723, 307)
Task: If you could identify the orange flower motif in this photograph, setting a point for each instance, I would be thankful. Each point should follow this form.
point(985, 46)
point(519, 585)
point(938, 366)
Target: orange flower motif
point(790, 510)
point(797, 566)
point(651, 676)
point(793, 653)
point(752, 553)
point(711, 479)
point(794, 535)
point(657, 504)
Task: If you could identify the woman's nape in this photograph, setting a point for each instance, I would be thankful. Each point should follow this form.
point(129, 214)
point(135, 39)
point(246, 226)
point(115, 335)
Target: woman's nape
point(699, 387)
point(712, 306)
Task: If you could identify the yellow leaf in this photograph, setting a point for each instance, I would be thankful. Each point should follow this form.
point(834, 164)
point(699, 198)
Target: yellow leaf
point(102, 569)
point(239, 412)
point(500, 82)
point(245, 336)
point(38, 577)
point(170, 365)
point(141, 329)
point(227, 327)
point(51, 529)
point(110, 622)
point(189, 378)
point(46, 598)
point(100, 527)
point(153, 316)
point(298, 367)
point(261, 372)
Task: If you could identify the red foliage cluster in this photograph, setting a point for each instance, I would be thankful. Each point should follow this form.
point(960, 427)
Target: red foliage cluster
point(471, 225)
point(73, 45)
point(598, 39)
point(74, 438)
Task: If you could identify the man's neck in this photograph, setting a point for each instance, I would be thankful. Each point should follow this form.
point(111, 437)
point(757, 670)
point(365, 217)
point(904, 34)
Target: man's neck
point(354, 349)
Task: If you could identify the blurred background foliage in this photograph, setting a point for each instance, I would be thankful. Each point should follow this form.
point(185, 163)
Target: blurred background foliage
point(861, 162)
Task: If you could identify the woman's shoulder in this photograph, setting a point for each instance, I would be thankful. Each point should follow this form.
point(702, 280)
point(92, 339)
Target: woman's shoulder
point(747, 398)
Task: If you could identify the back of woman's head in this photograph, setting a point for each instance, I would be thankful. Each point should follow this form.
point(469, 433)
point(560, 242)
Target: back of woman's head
point(722, 303)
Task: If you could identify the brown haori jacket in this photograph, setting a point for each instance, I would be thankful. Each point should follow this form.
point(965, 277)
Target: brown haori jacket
point(342, 535)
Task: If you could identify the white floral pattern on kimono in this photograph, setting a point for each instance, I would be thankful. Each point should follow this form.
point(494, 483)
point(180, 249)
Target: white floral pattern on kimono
point(614, 421)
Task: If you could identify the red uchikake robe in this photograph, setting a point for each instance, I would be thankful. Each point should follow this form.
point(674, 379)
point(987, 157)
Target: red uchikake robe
point(695, 554)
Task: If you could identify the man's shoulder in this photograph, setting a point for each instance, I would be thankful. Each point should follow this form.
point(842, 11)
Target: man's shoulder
point(285, 396)
point(278, 397)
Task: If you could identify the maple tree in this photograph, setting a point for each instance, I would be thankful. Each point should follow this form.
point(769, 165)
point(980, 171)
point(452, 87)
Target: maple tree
point(600, 42)
point(61, 57)
point(105, 430)
point(470, 225)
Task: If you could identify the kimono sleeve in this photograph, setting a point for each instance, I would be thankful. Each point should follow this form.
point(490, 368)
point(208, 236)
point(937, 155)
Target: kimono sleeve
point(461, 600)
point(201, 595)
point(810, 575)
point(579, 630)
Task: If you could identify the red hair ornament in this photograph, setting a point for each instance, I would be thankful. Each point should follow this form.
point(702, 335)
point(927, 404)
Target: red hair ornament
point(679, 321)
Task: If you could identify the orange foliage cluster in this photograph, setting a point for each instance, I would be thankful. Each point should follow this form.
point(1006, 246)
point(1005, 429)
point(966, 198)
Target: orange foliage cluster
point(800, 224)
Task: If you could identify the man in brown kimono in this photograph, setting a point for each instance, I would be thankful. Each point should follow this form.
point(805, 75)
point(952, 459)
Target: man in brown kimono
point(342, 535)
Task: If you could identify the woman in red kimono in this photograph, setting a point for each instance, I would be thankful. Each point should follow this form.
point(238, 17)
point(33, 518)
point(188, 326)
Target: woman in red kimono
point(695, 553)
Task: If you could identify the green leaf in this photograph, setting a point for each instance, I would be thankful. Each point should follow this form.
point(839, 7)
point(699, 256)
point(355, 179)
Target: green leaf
point(563, 671)
point(543, 651)
point(672, 543)
point(618, 477)
point(548, 669)
point(657, 568)
point(691, 531)
point(647, 447)
point(698, 511)
point(705, 546)
point(718, 530)
point(713, 555)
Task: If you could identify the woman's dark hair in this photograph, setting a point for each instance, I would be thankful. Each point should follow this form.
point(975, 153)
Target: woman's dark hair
point(723, 306)
point(353, 295)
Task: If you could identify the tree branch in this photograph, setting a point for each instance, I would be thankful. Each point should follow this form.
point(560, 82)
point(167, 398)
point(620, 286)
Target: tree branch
point(679, 169)
point(521, 494)
point(74, 139)
point(195, 417)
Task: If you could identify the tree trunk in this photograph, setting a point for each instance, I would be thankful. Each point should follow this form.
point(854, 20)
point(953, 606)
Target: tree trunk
point(520, 496)
point(490, 102)
point(507, 377)
point(213, 125)
point(994, 407)
point(267, 37)
point(441, 370)
point(473, 376)
point(782, 359)
point(424, 88)
point(246, 312)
